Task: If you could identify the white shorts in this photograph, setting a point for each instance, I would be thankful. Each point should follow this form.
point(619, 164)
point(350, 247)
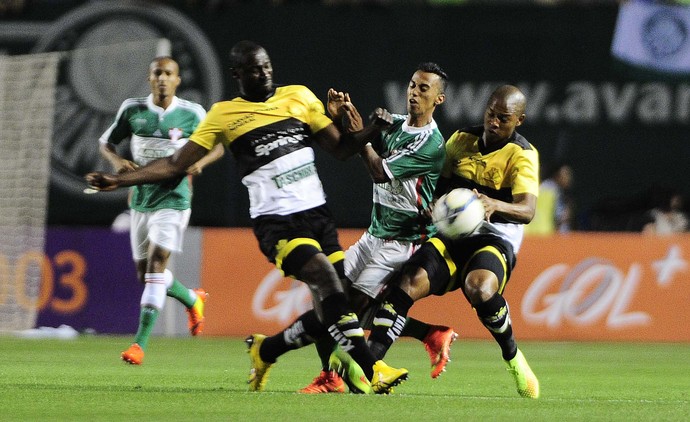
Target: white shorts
point(164, 228)
point(371, 261)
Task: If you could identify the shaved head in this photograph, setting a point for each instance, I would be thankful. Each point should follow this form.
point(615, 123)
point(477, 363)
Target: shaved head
point(512, 97)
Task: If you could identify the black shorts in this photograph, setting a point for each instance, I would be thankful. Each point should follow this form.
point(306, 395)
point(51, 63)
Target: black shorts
point(448, 261)
point(290, 240)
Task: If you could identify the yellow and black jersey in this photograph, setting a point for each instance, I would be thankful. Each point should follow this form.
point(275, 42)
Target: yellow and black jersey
point(499, 172)
point(271, 142)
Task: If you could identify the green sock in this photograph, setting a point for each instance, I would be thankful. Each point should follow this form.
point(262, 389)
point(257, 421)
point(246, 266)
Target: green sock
point(147, 319)
point(180, 292)
point(415, 328)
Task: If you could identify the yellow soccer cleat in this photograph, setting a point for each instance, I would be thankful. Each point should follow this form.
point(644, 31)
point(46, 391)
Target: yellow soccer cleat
point(386, 377)
point(258, 374)
point(527, 383)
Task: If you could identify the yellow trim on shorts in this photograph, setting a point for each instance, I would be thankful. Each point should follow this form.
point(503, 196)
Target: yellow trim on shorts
point(336, 256)
point(441, 248)
point(493, 250)
point(284, 250)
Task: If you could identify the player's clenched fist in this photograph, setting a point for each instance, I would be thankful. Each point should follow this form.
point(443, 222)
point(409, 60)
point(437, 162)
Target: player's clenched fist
point(381, 117)
point(102, 181)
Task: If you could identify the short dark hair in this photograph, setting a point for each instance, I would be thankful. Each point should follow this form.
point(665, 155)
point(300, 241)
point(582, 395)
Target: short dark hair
point(240, 51)
point(431, 67)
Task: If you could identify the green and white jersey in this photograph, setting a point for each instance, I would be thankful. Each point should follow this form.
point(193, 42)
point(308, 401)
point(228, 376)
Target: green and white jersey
point(412, 158)
point(156, 133)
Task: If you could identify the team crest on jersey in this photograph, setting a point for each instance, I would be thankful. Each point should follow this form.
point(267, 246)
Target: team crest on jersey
point(139, 123)
point(175, 133)
point(494, 177)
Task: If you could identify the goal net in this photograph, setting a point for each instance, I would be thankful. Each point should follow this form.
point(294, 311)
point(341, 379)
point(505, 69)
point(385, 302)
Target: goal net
point(27, 102)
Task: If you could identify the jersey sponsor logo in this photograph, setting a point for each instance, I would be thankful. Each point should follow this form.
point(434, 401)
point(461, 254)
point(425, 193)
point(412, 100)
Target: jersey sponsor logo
point(295, 175)
point(154, 153)
point(233, 125)
point(264, 145)
point(175, 133)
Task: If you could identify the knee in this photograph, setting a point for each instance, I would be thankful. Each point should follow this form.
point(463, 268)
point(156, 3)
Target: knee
point(318, 273)
point(480, 286)
point(415, 282)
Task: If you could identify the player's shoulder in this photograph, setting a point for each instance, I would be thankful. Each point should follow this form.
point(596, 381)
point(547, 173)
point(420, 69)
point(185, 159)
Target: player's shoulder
point(292, 88)
point(398, 117)
point(191, 106)
point(134, 102)
point(469, 134)
point(224, 105)
point(299, 91)
point(522, 142)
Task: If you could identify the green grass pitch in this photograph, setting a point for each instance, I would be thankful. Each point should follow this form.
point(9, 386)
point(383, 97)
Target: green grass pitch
point(204, 379)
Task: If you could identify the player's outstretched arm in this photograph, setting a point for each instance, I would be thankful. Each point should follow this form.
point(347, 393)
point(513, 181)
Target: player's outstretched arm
point(157, 171)
point(119, 164)
point(215, 154)
point(343, 144)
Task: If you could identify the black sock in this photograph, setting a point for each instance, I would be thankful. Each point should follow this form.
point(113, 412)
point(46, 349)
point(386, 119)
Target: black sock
point(389, 321)
point(415, 328)
point(495, 316)
point(343, 326)
point(324, 347)
point(304, 331)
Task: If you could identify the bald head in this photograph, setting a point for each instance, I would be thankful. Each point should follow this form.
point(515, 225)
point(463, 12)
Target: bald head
point(505, 111)
point(511, 97)
point(240, 52)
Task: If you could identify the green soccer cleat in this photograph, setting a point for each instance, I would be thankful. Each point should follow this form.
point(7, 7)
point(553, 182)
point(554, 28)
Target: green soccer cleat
point(386, 377)
point(350, 371)
point(258, 374)
point(527, 383)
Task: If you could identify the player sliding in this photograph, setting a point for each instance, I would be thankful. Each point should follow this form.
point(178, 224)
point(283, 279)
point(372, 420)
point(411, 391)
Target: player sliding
point(270, 130)
point(504, 168)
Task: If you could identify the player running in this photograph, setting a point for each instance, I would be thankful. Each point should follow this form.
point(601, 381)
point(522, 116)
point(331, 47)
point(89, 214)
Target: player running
point(158, 125)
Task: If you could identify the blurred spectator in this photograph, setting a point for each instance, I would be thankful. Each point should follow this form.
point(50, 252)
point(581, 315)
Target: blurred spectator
point(554, 206)
point(667, 216)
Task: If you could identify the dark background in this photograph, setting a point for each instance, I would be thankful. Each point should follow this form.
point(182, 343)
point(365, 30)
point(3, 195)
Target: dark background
point(359, 49)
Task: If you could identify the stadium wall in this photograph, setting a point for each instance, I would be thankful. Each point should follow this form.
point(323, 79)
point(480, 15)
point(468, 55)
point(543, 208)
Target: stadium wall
point(598, 287)
point(621, 132)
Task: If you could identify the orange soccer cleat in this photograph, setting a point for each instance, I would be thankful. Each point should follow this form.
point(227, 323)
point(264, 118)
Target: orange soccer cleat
point(326, 382)
point(437, 343)
point(133, 355)
point(196, 312)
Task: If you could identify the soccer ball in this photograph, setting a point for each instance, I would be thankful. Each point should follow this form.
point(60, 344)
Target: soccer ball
point(458, 213)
